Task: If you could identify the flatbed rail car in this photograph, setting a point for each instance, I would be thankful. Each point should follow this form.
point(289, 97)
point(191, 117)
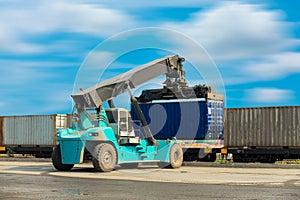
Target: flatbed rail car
point(31, 134)
point(262, 134)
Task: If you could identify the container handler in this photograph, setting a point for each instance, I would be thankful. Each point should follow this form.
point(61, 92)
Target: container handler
point(106, 136)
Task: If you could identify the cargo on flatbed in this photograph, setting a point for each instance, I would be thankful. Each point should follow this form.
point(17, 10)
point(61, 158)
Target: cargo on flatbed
point(185, 120)
point(196, 124)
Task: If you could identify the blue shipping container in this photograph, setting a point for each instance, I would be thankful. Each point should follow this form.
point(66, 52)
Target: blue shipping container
point(185, 120)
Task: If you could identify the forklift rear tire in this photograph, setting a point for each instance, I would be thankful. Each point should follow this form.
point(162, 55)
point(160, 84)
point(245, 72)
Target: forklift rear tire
point(176, 156)
point(104, 157)
point(56, 160)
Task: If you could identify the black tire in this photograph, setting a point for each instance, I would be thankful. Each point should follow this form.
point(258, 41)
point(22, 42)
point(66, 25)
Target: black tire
point(176, 156)
point(56, 160)
point(104, 157)
point(212, 157)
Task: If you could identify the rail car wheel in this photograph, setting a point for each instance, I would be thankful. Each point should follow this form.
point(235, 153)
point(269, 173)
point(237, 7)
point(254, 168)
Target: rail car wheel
point(56, 160)
point(268, 159)
point(104, 157)
point(238, 158)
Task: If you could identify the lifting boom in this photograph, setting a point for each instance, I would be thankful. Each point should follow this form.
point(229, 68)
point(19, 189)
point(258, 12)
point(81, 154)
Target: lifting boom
point(94, 96)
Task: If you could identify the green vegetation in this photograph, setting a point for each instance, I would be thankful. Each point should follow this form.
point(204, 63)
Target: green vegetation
point(219, 160)
point(284, 162)
point(287, 162)
point(10, 153)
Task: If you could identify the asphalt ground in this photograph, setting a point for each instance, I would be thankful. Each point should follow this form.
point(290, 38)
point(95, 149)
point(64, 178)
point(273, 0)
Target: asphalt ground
point(24, 187)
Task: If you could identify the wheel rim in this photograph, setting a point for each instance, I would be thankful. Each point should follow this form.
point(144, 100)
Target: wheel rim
point(107, 158)
point(176, 155)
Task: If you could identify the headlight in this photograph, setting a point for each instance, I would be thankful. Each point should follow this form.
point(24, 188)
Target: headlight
point(93, 134)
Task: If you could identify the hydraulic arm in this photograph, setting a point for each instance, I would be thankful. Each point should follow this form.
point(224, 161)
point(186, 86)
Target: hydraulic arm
point(94, 96)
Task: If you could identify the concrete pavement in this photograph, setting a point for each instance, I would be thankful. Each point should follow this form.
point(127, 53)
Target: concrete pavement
point(270, 177)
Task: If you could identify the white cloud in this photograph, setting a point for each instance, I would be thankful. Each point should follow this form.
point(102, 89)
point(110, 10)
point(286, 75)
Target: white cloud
point(10, 63)
point(57, 99)
point(251, 42)
point(92, 69)
point(35, 86)
point(17, 74)
point(141, 4)
point(22, 21)
point(36, 98)
point(229, 31)
point(269, 95)
point(275, 66)
point(235, 30)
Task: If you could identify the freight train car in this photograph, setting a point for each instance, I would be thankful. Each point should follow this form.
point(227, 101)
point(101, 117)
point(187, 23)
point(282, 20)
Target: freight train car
point(204, 128)
point(262, 134)
point(32, 134)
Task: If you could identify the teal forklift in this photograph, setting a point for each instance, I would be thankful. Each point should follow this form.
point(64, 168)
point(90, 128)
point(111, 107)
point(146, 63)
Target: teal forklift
point(106, 136)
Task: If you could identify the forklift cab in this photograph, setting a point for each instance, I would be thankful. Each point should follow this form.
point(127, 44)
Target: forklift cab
point(121, 123)
point(85, 119)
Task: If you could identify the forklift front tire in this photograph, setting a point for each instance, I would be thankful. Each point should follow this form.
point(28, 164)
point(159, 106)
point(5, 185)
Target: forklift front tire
point(104, 157)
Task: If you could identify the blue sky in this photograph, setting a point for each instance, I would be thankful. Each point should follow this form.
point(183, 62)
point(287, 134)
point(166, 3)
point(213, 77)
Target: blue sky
point(254, 44)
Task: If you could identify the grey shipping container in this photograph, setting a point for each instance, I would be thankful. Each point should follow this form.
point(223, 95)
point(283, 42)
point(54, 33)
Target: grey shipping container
point(31, 130)
point(262, 127)
point(185, 120)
